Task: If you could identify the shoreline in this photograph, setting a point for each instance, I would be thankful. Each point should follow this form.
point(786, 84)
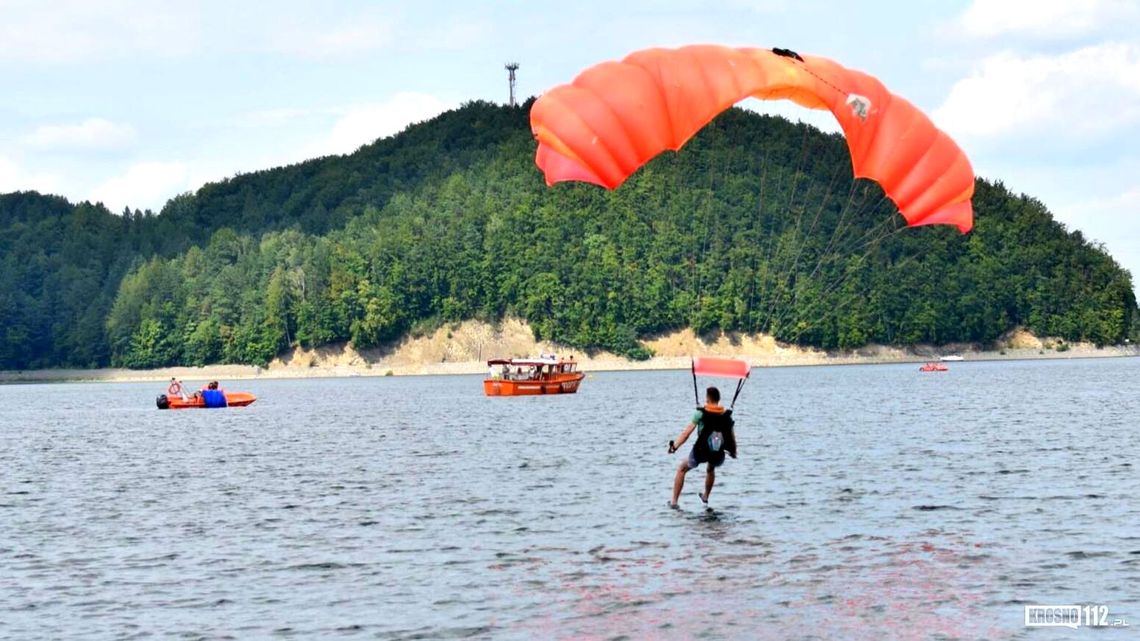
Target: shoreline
point(875, 355)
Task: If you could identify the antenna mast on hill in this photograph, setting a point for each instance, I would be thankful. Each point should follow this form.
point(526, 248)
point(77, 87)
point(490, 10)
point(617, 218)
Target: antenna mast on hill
point(511, 67)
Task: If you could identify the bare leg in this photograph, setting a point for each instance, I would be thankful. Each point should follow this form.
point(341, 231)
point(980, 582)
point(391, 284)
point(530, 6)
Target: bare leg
point(710, 478)
point(679, 481)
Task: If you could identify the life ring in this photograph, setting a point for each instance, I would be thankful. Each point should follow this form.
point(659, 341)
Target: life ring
point(175, 389)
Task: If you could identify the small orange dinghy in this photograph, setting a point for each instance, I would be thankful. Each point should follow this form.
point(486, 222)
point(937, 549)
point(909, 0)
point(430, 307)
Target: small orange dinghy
point(232, 399)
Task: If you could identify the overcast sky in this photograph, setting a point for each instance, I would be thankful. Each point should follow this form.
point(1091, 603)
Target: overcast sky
point(130, 102)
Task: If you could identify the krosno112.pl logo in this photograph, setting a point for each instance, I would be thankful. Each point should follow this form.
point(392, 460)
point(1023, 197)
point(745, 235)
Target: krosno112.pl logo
point(1071, 616)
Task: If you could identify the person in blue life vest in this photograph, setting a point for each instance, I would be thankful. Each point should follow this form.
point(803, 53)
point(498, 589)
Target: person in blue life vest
point(212, 395)
point(715, 437)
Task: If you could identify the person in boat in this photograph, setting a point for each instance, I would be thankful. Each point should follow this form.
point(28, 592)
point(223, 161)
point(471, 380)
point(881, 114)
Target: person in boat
point(212, 395)
point(714, 438)
point(176, 389)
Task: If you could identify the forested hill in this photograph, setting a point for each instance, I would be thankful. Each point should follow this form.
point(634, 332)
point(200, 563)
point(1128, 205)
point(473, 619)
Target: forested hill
point(755, 226)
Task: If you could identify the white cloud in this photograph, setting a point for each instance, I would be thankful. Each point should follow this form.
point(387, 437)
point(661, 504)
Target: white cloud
point(272, 118)
point(363, 124)
point(1110, 220)
point(454, 35)
point(93, 134)
point(80, 30)
point(145, 185)
point(1088, 92)
point(308, 41)
point(1099, 196)
point(13, 177)
point(1109, 214)
point(1044, 18)
point(352, 39)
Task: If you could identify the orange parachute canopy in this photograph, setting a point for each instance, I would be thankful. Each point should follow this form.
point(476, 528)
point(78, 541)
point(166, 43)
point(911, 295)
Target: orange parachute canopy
point(616, 116)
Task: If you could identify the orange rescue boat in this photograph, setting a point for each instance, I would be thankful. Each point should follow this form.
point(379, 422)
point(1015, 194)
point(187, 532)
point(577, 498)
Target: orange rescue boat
point(933, 367)
point(175, 402)
point(532, 376)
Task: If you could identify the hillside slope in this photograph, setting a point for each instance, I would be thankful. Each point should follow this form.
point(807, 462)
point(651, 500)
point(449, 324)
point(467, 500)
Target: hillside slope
point(756, 226)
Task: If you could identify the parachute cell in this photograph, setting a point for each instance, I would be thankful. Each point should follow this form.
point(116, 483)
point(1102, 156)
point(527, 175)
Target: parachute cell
point(616, 116)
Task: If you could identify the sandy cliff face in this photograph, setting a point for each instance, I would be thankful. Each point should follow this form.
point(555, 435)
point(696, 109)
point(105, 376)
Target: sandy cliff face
point(465, 347)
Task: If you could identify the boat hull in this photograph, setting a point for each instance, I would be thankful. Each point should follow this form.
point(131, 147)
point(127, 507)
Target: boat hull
point(559, 384)
point(233, 399)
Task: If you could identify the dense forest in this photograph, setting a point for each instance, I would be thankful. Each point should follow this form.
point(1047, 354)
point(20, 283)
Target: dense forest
point(755, 226)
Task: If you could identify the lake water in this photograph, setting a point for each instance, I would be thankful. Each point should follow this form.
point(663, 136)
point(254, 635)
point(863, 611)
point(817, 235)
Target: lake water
point(868, 502)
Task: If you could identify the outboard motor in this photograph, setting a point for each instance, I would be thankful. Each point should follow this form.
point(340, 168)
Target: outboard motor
point(162, 402)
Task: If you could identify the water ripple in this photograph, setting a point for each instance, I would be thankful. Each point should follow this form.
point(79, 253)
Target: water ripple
point(865, 499)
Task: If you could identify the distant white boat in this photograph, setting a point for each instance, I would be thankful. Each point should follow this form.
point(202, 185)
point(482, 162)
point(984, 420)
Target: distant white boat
point(953, 357)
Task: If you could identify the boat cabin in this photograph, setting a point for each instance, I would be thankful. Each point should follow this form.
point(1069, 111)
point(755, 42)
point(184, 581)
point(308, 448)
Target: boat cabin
point(529, 369)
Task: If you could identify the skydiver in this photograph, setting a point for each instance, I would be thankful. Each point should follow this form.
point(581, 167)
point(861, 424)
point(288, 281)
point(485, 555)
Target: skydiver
point(714, 438)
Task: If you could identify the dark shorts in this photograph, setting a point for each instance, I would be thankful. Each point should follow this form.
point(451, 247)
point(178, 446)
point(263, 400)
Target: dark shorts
point(716, 461)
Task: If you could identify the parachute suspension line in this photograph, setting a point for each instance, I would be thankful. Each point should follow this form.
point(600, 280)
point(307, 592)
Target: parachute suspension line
point(815, 220)
point(855, 213)
point(867, 242)
point(773, 297)
point(803, 241)
point(736, 394)
point(889, 221)
point(830, 313)
point(835, 232)
point(709, 204)
point(822, 300)
point(848, 246)
point(751, 326)
point(779, 318)
point(693, 247)
point(799, 169)
point(833, 252)
point(766, 292)
point(711, 211)
point(693, 369)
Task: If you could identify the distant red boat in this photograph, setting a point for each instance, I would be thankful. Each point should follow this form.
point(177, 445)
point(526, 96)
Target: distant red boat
point(532, 376)
point(933, 367)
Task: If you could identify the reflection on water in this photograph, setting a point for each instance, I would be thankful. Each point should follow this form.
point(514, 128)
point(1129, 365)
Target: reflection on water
point(867, 502)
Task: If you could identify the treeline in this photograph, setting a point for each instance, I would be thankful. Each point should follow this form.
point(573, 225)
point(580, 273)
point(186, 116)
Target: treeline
point(755, 226)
